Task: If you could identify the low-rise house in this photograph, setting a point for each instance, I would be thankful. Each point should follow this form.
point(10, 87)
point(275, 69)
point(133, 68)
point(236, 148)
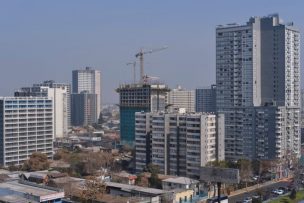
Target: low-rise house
point(125, 190)
point(36, 177)
point(180, 183)
point(41, 177)
point(185, 189)
point(124, 177)
point(56, 175)
point(183, 196)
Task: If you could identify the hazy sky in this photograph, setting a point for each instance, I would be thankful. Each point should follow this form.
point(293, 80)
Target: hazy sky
point(44, 40)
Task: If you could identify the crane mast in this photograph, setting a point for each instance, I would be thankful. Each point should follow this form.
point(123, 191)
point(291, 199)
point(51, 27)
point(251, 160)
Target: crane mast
point(140, 55)
point(134, 70)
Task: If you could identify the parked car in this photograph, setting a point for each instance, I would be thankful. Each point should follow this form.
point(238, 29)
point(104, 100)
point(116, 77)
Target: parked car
point(277, 191)
point(280, 192)
point(274, 191)
point(284, 189)
point(247, 200)
point(255, 178)
point(256, 196)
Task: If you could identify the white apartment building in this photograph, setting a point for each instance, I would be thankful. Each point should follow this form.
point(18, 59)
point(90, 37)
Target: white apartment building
point(179, 143)
point(26, 126)
point(257, 65)
point(88, 80)
point(181, 98)
point(60, 110)
point(67, 93)
point(288, 132)
point(59, 93)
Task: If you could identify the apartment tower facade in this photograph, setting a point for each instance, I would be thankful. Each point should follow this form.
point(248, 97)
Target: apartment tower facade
point(179, 143)
point(60, 94)
point(258, 65)
point(205, 99)
point(181, 98)
point(26, 126)
point(88, 80)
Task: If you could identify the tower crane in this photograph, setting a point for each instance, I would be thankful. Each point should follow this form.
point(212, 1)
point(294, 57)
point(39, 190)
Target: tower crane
point(134, 70)
point(147, 77)
point(141, 54)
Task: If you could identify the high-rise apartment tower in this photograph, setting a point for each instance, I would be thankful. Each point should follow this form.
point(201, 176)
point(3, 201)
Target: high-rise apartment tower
point(88, 80)
point(257, 64)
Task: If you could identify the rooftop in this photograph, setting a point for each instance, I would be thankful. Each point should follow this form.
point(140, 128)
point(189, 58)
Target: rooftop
point(127, 187)
point(142, 85)
point(20, 191)
point(181, 180)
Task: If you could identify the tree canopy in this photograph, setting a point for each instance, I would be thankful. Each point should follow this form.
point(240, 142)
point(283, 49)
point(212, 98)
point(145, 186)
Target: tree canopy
point(36, 162)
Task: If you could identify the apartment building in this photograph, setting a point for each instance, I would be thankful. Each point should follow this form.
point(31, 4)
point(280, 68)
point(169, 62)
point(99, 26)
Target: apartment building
point(88, 80)
point(205, 99)
point(179, 143)
point(257, 65)
point(84, 109)
point(147, 97)
point(59, 93)
point(26, 126)
point(181, 98)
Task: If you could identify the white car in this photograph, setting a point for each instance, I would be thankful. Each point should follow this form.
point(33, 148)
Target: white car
point(256, 197)
point(278, 192)
point(255, 178)
point(247, 200)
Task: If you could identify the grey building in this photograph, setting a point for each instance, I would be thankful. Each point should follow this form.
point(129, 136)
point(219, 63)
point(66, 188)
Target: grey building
point(88, 80)
point(179, 143)
point(205, 99)
point(26, 126)
point(302, 116)
point(84, 109)
point(257, 64)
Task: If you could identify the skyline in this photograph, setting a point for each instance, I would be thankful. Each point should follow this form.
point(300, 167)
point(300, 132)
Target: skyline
point(47, 40)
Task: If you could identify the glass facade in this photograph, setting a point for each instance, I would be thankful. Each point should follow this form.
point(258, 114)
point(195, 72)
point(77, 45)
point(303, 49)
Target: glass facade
point(127, 124)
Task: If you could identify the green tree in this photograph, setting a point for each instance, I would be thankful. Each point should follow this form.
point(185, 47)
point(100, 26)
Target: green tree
point(245, 170)
point(14, 168)
point(100, 119)
point(36, 162)
point(154, 180)
point(256, 166)
point(138, 179)
point(256, 200)
point(293, 194)
point(220, 164)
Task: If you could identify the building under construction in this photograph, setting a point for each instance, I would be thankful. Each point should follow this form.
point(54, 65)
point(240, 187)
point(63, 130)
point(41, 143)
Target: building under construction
point(146, 97)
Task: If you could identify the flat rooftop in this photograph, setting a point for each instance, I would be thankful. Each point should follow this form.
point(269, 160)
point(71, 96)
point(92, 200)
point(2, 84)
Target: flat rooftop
point(15, 191)
point(135, 188)
point(159, 86)
point(14, 198)
point(181, 180)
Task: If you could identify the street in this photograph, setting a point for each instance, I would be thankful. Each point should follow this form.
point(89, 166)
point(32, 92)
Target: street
point(266, 190)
